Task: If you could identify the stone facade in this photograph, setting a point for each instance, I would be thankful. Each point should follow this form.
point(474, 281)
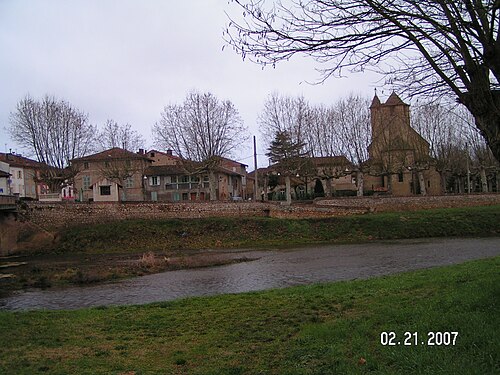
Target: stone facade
point(110, 176)
point(399, 160)
point(61, 214)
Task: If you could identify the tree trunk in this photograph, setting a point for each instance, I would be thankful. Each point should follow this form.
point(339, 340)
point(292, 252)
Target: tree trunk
point(360, 182)
point(484, 180)
point(329, 187)
point(389, 183)
point(213, 185)
point(288, 190)
point(266, 184)
point(421, 183)
point(484, 104)
point(443, 182)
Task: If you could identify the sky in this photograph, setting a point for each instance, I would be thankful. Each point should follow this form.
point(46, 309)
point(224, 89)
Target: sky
point(125, 60)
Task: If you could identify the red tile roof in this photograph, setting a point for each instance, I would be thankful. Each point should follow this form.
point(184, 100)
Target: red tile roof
point(20, 161)
point(113, 153)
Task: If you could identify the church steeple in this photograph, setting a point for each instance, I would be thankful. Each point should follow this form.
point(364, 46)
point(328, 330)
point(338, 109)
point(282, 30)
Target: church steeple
point(375, 101)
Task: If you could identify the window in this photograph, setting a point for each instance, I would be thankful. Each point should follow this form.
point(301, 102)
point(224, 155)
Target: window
point(105, 190)
point(129, 182)
point(86, 165)
point(154, 181)
point(106, 164)
point(19, 174)
point(86, 182)
point(428, 183)
point(400, 177)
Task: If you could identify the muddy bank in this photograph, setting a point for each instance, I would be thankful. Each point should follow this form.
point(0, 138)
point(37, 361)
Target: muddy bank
point(274, 269)
point(52, 270)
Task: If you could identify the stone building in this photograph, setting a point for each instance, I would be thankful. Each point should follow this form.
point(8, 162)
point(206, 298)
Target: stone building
point(110, 176)
point(172, 179)
point(399, 159)
point(23, 177)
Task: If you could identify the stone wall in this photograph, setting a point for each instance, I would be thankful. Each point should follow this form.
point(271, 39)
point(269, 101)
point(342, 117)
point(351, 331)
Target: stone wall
point(387, 203)
point(56, 215)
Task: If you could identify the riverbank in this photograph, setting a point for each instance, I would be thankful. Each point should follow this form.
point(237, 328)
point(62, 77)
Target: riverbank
point(324, 328)
point(89, 254)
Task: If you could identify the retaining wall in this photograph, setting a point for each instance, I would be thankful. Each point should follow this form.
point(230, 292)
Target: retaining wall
point(50, 215)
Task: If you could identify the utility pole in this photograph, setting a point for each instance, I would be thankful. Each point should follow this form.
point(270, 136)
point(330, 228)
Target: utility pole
point(256, 183)
point(468, 169)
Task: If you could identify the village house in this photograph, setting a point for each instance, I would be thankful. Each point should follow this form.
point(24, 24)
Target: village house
point(114, 175)
point(4, 178)
point(399, 160)
point(24, 180)
point(318, 176)
point(172, 179)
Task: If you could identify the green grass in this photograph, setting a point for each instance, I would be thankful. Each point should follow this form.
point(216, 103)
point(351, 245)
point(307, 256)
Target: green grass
point(139, 236)
point(318, 329)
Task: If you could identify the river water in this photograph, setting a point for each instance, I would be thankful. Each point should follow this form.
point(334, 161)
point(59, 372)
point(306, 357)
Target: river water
point(273, 269)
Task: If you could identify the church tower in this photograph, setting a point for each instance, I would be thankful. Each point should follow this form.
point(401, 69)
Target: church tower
point(393, 113)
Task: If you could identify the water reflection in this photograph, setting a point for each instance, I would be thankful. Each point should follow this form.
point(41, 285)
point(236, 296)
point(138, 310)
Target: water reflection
point(273, 269)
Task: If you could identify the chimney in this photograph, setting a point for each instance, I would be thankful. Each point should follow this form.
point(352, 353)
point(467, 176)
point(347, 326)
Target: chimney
point(141, 151)
point(169, 152)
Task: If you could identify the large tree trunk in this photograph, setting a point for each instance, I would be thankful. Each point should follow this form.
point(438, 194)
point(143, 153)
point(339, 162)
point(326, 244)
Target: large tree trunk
point(266, 185)
point(484, 104)
point(328, 185)
point(389, 183)
point(484, 180)
point(288, 190)
point(421, 183)
point(213, 185)
point(360, 182)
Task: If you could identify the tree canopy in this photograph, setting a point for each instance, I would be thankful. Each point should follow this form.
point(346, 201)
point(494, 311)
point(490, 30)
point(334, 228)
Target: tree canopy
point(52, 130)
point(430, 47)
point(201, 128)
point(123, 136)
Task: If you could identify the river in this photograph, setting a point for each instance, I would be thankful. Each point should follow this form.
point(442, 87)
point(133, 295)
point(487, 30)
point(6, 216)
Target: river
point(273, 269)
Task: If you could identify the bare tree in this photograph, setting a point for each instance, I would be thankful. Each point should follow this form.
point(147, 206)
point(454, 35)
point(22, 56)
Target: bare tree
point(455, 144)
point(122, 136)
point(202, 129)
point(432, 47)
point(54, 132)
point(284, 114)
point(353, 120)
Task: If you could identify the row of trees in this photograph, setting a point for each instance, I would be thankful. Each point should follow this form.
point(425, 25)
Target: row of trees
point(203, 128)
point(55, 132)
point(296, 127)
point(437, 48)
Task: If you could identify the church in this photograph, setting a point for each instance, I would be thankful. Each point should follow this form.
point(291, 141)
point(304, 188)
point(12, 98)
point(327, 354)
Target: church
point(399, 161)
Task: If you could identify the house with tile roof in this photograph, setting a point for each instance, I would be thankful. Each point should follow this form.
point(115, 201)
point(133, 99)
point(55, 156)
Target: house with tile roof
point(172, 179)
point(114, 175)
point(25, 176)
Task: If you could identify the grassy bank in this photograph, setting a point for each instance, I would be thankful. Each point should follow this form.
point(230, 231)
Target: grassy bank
point(319, 329)
point(110, 251)
point(180, 234)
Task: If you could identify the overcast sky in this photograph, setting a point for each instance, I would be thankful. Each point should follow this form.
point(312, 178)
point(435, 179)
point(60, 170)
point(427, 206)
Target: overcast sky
point(125, 60)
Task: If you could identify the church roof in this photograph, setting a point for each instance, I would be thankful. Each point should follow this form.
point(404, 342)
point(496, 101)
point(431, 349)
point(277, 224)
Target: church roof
point(375, 101)
point(394, 99)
